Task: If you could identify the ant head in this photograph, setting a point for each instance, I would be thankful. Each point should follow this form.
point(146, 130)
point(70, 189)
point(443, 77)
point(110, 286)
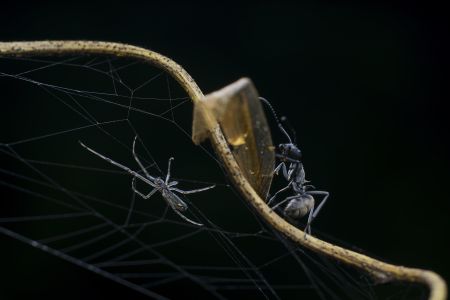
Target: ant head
point(290, 151)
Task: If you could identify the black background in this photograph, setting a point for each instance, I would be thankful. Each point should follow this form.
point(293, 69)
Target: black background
point(362, 83)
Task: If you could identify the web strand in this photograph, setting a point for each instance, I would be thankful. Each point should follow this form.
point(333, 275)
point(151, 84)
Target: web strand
point(68, 203)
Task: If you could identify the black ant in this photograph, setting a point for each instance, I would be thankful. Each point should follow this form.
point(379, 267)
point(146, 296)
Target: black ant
point(302, 202)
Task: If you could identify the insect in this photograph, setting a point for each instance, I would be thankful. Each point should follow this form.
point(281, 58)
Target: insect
point(164, 186)
point(302, 202)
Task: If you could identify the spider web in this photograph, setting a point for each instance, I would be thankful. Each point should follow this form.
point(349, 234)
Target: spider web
point(61, 199)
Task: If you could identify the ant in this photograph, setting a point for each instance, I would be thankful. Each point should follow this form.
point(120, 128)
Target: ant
point(302, 202)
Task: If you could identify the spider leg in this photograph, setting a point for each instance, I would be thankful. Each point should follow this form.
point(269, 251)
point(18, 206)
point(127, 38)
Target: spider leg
point(128, 170)
point(281, 190)
point(172, 183)
point(133, 186)
point(186, 218)
point(139, 162)
point(177, 204)
point(168, 170)
point(192, 191)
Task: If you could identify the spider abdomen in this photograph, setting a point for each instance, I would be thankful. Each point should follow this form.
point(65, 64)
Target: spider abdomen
point(300, 206)
point(175, 201)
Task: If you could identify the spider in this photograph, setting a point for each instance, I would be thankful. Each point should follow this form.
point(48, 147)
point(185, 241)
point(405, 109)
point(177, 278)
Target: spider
point(302, 202)
point(165, 187)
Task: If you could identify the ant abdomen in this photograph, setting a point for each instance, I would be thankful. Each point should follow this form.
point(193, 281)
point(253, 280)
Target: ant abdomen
point(299, 206)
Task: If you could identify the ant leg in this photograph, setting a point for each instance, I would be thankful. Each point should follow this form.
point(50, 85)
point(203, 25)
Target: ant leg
point(322, 203)
point(277, 169)
point(284, 201)
point(133, 186)
point(308, 224)
point(290, 172)
point(287, 174)
point(282, 190)
point(283, 168)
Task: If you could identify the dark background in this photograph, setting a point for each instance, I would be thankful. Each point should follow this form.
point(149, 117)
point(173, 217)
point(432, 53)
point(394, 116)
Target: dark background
point(362, 84)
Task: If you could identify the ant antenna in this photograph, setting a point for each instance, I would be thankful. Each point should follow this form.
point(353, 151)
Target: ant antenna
point(276, 118)
point(286, 122)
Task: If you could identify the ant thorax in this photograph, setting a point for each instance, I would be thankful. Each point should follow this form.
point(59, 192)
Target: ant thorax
point(298, 172)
